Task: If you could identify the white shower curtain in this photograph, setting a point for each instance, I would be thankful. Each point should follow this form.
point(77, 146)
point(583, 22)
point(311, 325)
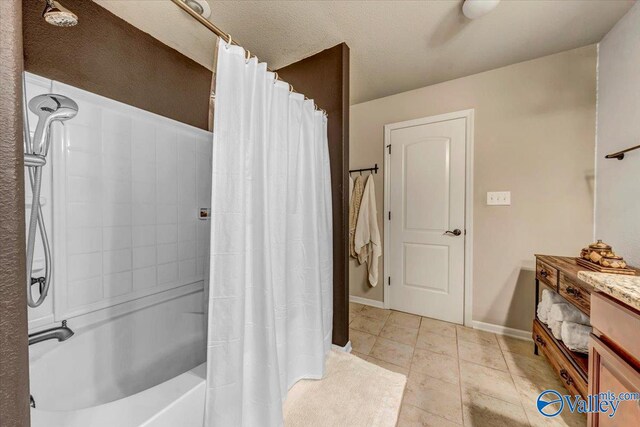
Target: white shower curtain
point(270, 296)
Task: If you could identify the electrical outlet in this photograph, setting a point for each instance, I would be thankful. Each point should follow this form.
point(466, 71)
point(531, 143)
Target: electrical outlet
point(499, 198)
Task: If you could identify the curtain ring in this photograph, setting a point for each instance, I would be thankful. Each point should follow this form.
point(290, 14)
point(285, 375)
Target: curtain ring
point(230, 41)
point(290, 88)
point(247, 56)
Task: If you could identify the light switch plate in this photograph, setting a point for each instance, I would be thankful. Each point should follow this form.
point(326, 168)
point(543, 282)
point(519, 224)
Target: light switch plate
point(499, 198)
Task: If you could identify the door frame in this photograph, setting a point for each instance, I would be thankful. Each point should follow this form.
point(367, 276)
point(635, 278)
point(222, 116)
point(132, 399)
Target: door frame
point(468, 115)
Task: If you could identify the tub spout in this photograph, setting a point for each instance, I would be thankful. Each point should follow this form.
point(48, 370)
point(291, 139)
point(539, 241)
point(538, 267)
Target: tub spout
point(60, 333)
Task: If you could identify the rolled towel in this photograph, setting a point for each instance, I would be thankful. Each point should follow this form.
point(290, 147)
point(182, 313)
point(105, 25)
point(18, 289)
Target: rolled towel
point(543, 310)
point(563, 312)
point(556, 328)
point(547, 300)
point(575, 336)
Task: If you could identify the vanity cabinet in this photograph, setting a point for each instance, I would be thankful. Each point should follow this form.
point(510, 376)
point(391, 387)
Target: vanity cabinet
point(614, 358)
point(613, 362)
point(572, 374)
point(560, 275)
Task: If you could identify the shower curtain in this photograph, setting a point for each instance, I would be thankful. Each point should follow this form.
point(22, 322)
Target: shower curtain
point(270, 295)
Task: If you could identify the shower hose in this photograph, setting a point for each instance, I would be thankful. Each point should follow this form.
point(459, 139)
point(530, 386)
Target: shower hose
point(36, 219)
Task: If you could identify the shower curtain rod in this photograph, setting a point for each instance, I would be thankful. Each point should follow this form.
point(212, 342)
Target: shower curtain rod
point(227, 37)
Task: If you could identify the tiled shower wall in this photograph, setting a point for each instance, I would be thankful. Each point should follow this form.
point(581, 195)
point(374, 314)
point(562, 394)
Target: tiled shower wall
point(128, 186)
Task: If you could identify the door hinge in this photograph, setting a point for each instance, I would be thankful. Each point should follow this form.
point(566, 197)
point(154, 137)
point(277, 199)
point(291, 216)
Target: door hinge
point(389, 280)
point(389, 148)
point(389, 215)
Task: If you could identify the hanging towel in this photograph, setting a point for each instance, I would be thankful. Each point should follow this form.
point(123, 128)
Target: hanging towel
point(354, 210)
point(576, 336)
point(367, 238)
point(350, 190)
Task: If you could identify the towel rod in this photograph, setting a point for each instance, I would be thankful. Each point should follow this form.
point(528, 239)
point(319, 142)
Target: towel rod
point(620, 154)
point(373, 169)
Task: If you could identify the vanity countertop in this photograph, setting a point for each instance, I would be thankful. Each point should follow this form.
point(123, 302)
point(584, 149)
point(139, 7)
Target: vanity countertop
point(625, 289)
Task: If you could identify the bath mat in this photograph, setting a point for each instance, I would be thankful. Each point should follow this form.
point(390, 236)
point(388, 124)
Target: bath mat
point(353, 393)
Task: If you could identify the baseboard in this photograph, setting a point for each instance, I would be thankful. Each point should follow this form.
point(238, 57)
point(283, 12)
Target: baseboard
point(489, 327)
point(503, 330)
point(366, 301)
point(346, 348)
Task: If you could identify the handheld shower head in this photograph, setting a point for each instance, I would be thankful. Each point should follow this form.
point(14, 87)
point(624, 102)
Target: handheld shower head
point(49, 108)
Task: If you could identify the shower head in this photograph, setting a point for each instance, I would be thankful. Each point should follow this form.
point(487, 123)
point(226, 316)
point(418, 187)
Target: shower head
point(49, 108)
point(56, 14)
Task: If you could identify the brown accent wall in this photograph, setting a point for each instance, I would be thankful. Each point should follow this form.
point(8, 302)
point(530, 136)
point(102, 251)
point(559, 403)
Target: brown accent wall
point(106, 55)
point(324, 77)
point(14, 349)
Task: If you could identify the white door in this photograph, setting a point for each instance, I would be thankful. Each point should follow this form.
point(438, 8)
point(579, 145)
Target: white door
point(426, 201)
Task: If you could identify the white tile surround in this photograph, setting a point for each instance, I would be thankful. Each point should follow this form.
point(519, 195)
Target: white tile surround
point(127, 185)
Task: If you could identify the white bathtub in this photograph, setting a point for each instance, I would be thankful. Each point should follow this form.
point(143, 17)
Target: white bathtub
point(144, 368)
point(176, 402)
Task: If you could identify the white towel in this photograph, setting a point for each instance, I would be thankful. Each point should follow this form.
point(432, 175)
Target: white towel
point(543, 310)
point(576, 336)
point(547, 300)
point(563, 312)
point(556, 328)
point(367, 242)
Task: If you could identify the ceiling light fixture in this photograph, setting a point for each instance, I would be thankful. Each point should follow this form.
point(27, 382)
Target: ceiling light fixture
point(201, 7)
point(474, 9)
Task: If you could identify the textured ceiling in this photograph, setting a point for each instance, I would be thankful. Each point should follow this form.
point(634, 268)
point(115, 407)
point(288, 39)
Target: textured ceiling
point(395, 45)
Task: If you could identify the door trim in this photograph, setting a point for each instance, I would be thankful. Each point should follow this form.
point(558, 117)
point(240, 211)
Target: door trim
point(468, 115)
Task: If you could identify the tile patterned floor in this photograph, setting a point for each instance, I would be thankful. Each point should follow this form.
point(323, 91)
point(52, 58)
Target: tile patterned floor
point(456, 375)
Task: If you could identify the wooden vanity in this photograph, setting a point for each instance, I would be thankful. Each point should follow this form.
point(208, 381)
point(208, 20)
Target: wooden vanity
point(560, 275)
point(613, 363)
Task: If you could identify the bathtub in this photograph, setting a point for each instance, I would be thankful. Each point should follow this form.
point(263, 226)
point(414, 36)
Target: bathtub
point(176, 402)
point(141, 368)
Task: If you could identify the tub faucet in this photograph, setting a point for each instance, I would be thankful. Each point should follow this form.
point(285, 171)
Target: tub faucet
point(60, 333)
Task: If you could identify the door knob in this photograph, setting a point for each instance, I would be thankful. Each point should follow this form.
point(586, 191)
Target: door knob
point(455, 232)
